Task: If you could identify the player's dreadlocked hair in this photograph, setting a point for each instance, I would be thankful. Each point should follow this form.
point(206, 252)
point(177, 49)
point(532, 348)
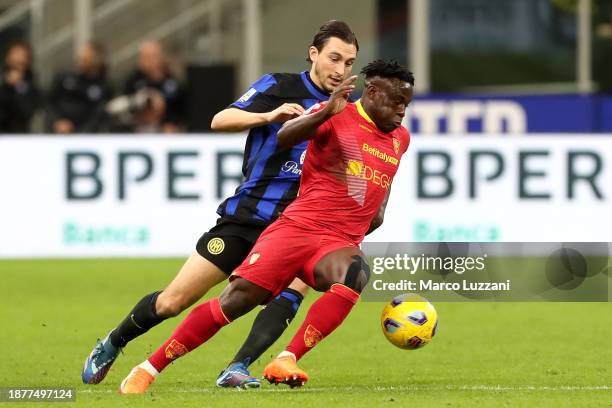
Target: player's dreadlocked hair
point(387, 69)
point(333, 28)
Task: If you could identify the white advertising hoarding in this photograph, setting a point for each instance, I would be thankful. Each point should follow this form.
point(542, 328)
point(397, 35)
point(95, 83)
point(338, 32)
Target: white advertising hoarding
point(155, 195)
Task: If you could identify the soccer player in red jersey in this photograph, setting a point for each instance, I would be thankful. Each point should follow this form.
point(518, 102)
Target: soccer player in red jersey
point(353, 155)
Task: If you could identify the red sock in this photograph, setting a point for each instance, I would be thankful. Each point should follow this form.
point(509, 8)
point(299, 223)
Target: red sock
point(327, 313)
point(203, 322)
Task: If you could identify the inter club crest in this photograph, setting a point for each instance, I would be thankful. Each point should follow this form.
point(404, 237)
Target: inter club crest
point(396, 145)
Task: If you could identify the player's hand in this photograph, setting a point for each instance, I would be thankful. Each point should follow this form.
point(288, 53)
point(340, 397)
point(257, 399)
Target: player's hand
point(285, 112)
point(339, 98)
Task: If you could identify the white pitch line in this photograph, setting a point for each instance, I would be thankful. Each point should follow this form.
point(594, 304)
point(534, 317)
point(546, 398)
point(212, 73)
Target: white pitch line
point(485, 388)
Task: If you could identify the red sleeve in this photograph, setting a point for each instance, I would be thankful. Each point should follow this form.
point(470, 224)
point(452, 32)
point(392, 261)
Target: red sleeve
point(324, 130)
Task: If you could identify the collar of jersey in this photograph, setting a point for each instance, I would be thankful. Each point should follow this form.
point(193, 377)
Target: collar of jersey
point(312, 87)
point(363, 113)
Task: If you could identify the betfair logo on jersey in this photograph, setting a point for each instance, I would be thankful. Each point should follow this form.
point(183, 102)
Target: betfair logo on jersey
point(358, 169)
point(382, 155)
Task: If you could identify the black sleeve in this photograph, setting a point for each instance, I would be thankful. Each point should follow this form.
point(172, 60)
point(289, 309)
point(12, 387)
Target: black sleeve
point(177, 107)
point(130, 84)
point(27, 102)
point(97, 119)
point(53, 97)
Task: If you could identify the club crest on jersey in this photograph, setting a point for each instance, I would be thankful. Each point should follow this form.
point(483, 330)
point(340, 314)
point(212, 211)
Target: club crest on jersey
point(396, 145)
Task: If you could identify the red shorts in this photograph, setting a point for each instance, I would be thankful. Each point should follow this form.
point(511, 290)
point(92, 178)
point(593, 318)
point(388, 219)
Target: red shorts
point(286, 250)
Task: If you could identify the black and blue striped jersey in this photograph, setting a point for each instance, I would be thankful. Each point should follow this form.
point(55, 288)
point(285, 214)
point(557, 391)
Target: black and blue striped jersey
point(271, 175)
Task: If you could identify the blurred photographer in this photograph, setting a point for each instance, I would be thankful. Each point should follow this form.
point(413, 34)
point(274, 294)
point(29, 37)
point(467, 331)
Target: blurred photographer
point(19, 95)
point(77, 97)
point(164, 94)
point(141, 112)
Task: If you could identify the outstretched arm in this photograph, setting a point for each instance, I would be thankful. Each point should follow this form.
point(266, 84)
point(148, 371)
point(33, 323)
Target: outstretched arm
point(237, 120)
point(380, 216)
point(305, 127)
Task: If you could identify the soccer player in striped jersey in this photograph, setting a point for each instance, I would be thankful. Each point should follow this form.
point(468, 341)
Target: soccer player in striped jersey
point(353, 155)
point(272, 175)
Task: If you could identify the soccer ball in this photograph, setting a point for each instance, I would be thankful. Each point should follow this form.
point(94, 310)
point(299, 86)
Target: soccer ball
point(409, 321)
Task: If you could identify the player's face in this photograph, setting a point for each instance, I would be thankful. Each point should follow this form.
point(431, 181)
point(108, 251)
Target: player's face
point(390, 99)
point(333, 64)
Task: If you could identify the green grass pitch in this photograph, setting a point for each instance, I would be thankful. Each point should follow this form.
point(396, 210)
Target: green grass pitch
point(484, 354)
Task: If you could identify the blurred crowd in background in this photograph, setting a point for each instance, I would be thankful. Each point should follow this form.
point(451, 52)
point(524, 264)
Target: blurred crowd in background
point(82, 99)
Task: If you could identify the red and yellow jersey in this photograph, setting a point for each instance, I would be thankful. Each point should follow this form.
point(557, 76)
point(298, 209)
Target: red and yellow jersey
point(348, 169)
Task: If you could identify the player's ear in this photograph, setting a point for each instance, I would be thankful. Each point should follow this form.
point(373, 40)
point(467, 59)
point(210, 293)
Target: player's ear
point(371, 90)
point(313, 53)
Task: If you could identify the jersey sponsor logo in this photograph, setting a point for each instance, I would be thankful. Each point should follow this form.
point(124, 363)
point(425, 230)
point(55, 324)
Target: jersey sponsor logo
point(312, 336)
point(382, 155)
point(175, 349)
point(216, 246)
point(292, 168)
point(247, 95)
point(358, 169)
point(354, 167)
point(254, 258)
point(396, 145)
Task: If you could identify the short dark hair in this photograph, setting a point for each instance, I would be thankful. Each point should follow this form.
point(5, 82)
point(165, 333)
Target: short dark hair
point(387, 69)
point(333, 28)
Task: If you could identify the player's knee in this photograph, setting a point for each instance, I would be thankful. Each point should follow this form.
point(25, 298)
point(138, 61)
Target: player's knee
point(170, 306)
point(299, 286)
point(357, 274)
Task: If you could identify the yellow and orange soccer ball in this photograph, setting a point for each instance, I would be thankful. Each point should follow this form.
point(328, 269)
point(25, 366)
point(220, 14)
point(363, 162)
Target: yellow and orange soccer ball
point(409, 321)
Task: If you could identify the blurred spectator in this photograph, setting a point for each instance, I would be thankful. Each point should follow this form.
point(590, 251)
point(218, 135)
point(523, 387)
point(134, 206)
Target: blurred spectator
point(77, 97)
point(19, 95)
point(164, 93)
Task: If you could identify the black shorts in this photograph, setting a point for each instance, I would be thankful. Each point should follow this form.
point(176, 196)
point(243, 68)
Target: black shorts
point(228, 243)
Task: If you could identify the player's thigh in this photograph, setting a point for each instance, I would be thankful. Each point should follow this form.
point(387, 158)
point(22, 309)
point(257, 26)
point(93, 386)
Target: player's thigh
point(345, 265)
point(195, 278)
point(278, 256)
point(300, 286)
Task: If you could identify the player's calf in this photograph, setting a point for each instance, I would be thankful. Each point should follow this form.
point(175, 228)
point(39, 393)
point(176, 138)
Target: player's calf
point(240, 297)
